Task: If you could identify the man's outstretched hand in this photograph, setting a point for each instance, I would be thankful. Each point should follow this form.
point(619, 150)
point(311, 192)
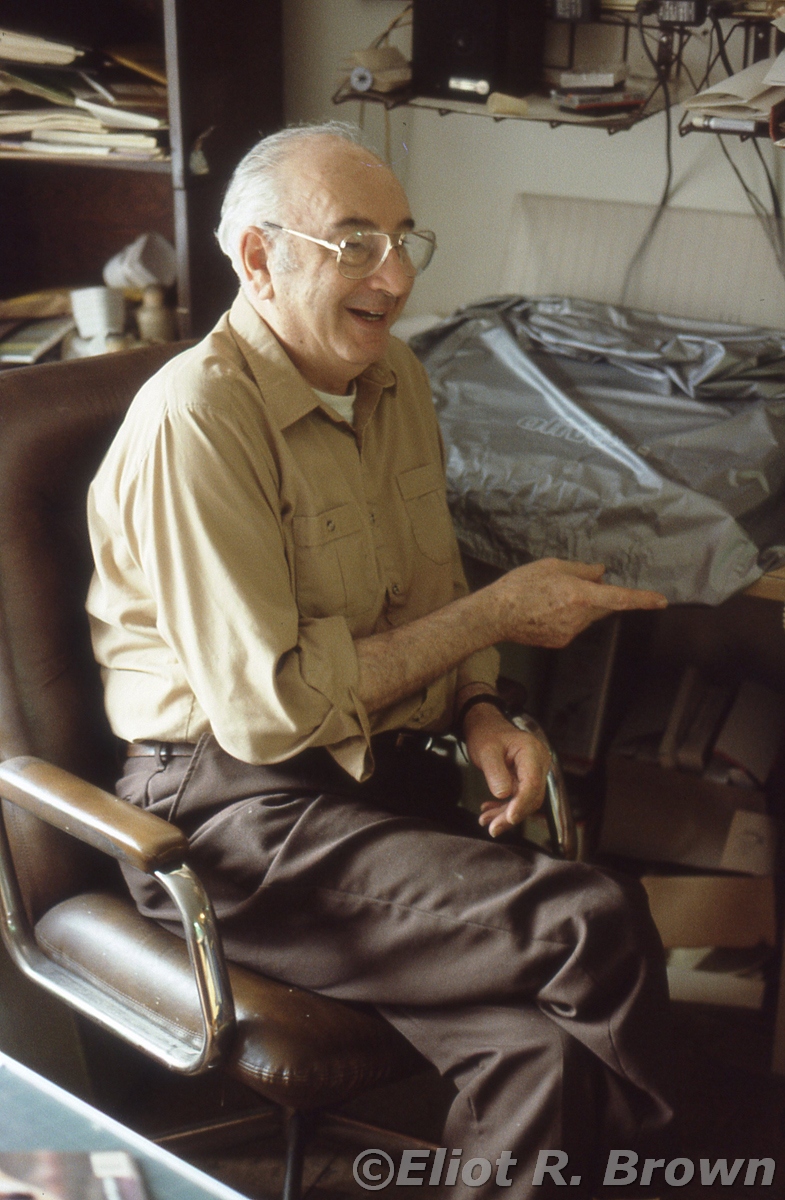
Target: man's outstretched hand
point(550, 601)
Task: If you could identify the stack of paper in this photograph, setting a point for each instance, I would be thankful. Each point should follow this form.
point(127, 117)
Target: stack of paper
point(743, 100)
point(24, 47)
point(59, 110)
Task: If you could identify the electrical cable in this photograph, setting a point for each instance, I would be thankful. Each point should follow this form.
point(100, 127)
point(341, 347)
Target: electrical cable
point(771, 225)
point(775, 200)
point(396, 23)
point(661, 74)
point(775, 220)
point(772, 222)
point(712, 62)
point(721, 47)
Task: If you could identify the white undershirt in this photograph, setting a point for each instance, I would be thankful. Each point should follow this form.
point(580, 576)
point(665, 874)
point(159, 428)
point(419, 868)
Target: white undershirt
point(343, 405)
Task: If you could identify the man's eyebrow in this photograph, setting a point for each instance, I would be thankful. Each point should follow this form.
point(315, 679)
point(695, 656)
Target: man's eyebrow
point(364, 223)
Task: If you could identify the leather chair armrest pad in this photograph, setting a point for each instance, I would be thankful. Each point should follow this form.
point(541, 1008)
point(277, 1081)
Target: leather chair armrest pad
point(92, 815)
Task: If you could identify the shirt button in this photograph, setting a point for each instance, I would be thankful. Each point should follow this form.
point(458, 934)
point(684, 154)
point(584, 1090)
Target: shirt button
point(372, 516)
point(330, 524)
point(395, 589)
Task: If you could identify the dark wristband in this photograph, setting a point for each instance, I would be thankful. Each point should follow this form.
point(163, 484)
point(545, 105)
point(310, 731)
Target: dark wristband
point(480, 698)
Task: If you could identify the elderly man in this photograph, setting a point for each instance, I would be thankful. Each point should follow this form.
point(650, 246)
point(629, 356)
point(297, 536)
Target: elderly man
point(282, 619)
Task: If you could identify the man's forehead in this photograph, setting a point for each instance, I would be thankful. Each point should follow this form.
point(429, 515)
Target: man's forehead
point(342, 185)
point(346, 224)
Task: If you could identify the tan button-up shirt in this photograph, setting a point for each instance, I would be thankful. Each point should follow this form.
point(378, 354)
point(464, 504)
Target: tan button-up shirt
point(244, 535)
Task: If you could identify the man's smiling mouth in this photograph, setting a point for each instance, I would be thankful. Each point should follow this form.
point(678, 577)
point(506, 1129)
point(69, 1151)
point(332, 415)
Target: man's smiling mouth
point(370, 315)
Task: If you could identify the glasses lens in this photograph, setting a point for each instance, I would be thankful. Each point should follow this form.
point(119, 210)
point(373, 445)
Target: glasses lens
point(361, 253)
point(416, 250)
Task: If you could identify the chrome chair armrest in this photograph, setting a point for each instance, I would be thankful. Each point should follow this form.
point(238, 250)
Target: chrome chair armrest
point(557, 809)
point(150, 844)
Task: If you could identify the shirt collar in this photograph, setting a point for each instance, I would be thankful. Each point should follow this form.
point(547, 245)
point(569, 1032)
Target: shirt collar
point(287, 394)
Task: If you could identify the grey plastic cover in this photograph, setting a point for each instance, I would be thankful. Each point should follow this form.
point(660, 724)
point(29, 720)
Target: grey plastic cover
point(652, 444)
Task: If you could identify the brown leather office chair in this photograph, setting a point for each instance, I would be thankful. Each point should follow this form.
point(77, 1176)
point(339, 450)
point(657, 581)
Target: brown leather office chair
point(67, 921)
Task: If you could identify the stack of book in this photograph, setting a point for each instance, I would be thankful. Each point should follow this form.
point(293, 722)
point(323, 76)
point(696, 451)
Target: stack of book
point(60, 100)
point(686, 792)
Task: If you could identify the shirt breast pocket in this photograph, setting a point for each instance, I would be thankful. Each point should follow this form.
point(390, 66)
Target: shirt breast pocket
point(422, 489)
point(333, 563)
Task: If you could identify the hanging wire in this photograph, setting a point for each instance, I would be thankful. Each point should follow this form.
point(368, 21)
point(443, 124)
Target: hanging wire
point(721, 47)
point(396, 23)
point(770, 222)
point(661, 74)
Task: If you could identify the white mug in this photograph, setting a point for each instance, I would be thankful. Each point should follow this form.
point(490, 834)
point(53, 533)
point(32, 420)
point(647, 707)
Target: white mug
point(98, 311)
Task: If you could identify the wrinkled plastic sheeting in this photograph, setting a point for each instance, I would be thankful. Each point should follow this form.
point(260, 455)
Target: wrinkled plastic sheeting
point(649, 443)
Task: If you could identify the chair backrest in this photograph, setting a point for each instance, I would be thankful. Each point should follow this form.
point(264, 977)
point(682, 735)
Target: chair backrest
point(56, 423)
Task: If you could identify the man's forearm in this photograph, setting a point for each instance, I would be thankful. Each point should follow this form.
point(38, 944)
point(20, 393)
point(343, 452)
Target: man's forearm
point(544, 603)
point(403, 661)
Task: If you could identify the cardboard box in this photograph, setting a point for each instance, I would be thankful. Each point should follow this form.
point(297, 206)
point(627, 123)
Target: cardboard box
point(732, 911)
point(663, 815)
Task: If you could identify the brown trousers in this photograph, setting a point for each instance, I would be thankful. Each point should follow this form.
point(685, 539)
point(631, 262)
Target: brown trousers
point(537, 986)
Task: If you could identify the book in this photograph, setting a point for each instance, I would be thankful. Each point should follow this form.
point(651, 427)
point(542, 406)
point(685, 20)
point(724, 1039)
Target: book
point(601, 80)
point(43, 87)
point(112, 139)
point(25, 47)
point(70, 1175)
point(135, 94)
point(44, 148)
point(598, 104)
point(51, 302)
point(25, 120)
point(30, 342)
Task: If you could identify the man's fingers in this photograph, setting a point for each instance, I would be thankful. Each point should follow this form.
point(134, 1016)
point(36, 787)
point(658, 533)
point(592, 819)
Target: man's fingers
point(582, 570)
point(500, 780)
point(619, 599)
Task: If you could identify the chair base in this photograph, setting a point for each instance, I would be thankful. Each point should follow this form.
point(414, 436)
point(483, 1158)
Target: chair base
point(300, 1129)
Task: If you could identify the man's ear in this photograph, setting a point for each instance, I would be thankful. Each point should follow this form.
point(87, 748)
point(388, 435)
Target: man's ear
point(254, 255)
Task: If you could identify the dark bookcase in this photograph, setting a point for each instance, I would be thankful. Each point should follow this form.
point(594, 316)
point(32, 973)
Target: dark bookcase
point(62, 219)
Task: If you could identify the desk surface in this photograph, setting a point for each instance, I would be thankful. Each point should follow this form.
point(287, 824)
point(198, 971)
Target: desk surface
point(38, 1115)
point(770, 586)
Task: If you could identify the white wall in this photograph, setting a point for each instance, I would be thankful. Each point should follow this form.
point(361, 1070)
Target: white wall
point(463, 172)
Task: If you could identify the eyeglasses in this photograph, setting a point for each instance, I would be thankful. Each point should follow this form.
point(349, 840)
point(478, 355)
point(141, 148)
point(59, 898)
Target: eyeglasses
point(364, 251)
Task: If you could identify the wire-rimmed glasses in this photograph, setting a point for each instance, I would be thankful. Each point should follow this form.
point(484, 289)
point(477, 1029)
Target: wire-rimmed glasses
point(364, 251)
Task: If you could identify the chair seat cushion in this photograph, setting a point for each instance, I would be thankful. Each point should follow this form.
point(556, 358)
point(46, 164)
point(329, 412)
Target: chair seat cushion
point(292, 1046)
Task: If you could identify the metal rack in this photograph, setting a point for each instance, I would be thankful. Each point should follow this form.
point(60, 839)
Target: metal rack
point(671, 45)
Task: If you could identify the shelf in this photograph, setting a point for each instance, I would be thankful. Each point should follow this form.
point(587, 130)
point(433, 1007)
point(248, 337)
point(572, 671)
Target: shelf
point(161, 166)
point(541, 107)
point(770, 586)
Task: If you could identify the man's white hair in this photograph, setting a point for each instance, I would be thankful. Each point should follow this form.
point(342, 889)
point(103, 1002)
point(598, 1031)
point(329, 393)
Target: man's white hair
point(254, 192)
